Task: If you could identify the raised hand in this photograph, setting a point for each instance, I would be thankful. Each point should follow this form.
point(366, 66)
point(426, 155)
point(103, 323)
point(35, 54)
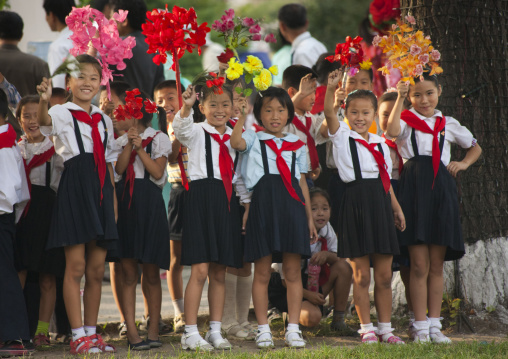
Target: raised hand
point(334, 78)
point(308, 85)
point(189, 97)
point(402, 89)
point(44, 89)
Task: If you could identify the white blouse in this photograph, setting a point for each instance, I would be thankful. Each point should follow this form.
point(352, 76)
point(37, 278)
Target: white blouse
point(38, 174)
point(342, 154)
point(161, 147)
point(62, 128)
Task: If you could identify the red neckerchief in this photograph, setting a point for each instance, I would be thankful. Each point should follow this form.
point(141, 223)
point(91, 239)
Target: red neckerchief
point(324, 275)
point(36, 161)
point(183, 175)
point(8, 138)
point(130, 175)
point(311, 144)
point(319, 104)
point(258, 128)
point(282, 166)
point(418, 124)
point(380, 160)
point(225, 163)
point(393, 146)
point(98, 146)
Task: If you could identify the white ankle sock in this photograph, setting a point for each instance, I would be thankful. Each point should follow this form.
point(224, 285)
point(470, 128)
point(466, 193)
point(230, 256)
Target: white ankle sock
point(243, 296)
point(293, 336)
point(215, 328)
point(178, 306)
point(90, 330)
point(189, 329)
point(265, 336)
point(229, 312)
point(365, 328)
point(435, 325)
point(385, 330)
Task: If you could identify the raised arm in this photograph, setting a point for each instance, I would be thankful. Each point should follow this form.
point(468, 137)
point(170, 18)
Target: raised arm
point(44, 90)
point(307, 86)
point(340, 96)
point(393, 125)
point(332, 121)
point(237, 141)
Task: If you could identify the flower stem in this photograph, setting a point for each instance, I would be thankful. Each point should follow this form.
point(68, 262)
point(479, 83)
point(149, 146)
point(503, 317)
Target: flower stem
point(178, 84)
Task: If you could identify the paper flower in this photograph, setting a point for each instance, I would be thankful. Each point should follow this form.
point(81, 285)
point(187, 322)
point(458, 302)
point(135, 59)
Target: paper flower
point(215, 82)
point(150, 106)
point(91, 26)
point(349, 53)
point(133, 106)
point(252, 64)
point(226, 56)
point(173, 32)
point(263, 81)
point(408, 50)
point(274, 70)
point(70, 66)
point(235, 69)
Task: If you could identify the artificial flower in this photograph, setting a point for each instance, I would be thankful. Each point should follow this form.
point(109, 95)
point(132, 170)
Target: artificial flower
point(263, 81)
point(215, 82)
point(150, 106)
point(252, 64)
point(235, 69)
point(382, 11)
point(410, 19)
point(133, 106)
point(365, 65)
point(69, 66)
point(274, 70)
point(226, 56)
point(270, 38)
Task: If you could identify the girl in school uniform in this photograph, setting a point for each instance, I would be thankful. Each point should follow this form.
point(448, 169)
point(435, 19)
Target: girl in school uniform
point(211, 229)
point(369, 211)
point(428, 196)
point(44, 169)
point(279, 221)
point(83, 221)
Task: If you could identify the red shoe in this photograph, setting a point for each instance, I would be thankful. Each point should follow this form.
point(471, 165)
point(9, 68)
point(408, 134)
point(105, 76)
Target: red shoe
point(41, 340)
point(83, 349)
point(369, 338)
point(103, 346)
point(13, 348)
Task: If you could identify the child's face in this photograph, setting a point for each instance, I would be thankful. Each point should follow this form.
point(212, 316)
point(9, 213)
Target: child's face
point(167, 98)
point(307, 102)
point(360, 114)
point(217, 109)
point(360, 81)
point(86, 86)
point(320, 211)
point(384, 111)
point(424, 97)
point(274, 116)
point(103, 100)
point(29, 122)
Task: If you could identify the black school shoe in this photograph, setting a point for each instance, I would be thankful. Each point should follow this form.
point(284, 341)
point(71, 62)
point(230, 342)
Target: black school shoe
point(153, 343)
point(142, 345)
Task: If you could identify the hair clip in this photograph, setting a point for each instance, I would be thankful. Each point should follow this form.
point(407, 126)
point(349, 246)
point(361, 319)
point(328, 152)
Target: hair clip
point(260, 94)
point(198, 95)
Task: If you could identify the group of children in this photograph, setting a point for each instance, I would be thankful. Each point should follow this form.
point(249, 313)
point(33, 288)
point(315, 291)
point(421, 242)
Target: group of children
point(240, 195)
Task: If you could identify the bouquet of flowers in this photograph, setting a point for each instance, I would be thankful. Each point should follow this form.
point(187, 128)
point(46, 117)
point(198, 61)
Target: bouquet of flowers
point(133, 106)
point(350, 55)
point(175, 33)
point(408, 50)
point(91, 26)
point(253, 71)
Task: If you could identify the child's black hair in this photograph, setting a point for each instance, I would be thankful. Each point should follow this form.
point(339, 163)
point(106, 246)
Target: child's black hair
point(292, 76)
point(119, 88)
point(87, 59)
point(99, 4)
point(137, 11)
point(4, 104)
point(387, 97)
point(293, 16)
point(365, 94)
point(24, 101)
point(316, 191)
point(61, 8)
point(11, 26)
point(59, 92)
point(427, 77)
point(167, 84)
point(273, 92)
point(323, 67)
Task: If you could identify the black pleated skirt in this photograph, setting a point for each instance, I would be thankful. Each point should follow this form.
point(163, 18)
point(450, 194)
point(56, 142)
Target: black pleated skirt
point(432, 214)
point(142, 229)
point(366, 224)
point(32, 232)
point(336, 189)
point(211, 229)
point(175, 210)
point(79, 215)
point(277, 223)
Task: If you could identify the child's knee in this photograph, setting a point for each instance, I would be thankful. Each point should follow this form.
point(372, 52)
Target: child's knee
point(292, 275)
point(218, 275)
point(310, 317)
point(262, 275)
point(419, 267)
point(95, 272)
point(436, 269)
point(152, 278)
point(75, 268)
point(199, 273)
point(383, 279)
point(47, 283)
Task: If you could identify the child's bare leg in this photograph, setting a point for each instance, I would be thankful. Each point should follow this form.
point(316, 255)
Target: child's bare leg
point(435, 281)
point(116, 280)
point(310, 314)
point(74, 271)
point(262, 273)
point(420, 263)
point(291, 266)
point(130, 281)
point(146, 293)
point(22, 277)
point(361, 278)
point(193, 292)
point(216, 291)
point(383, 286)
point(47, 283)
point(174, 278)
point(94, 272)
point(152, 280)
point(404, 275)
point(342, 285)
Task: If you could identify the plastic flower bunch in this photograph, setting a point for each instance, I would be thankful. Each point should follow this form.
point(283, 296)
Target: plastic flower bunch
point(408, 50)
point(133, 106)
point(173, 32)
point(91, 26)
point(70, 66)
point(253, 71)
point(350, 55)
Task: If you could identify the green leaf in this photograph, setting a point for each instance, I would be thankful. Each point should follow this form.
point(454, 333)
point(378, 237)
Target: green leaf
point(238, 90)
point(248, 78)
point(238, 27)
point(247, 92)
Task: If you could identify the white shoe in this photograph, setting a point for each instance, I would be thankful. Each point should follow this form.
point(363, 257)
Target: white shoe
point(264, 343)
point(200, 345)
point(439, 338)
point(296, 341)
point(421, 338)
point(250, 329)
point(219, 342)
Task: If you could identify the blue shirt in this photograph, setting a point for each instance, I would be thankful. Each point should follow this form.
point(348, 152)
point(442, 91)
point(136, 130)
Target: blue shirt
point(252, 163)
